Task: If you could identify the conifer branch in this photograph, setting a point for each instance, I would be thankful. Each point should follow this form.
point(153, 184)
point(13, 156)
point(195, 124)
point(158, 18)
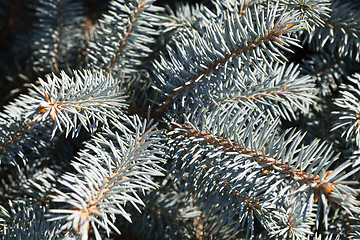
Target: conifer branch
point(326, 69)
point(23, 135)
point(323, 69)
point(18, 134)
point(251, 204)
point(340, 32)
point(125, 158)
point(190, 75)
point(305, 166)
point(243, 9)
point(132, 30)
point(343, 27)
point(89, 98)
point(312, 12)
point(222, 160)
point(348, 112)
point(110, 181)
point(314, 181)
point(128, 31)
point(70, 103)
point(28, 220)
point(272, 35)
point(57, 35)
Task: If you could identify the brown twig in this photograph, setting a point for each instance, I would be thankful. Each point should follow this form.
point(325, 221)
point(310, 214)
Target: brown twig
point(278, 92)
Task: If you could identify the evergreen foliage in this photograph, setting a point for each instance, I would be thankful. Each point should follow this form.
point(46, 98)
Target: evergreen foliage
point(224, 119)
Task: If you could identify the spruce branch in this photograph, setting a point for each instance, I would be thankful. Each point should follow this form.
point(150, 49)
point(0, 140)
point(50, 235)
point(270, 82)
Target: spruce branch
point(69, 103)
point(188, 17)
point(348, 114)
point(340, 32)
point(58, 30)
point(354, 228)
point(221, 159)
point(290, 220)
point(278, 92)
point(57, 35)
point(311, 12)
point(128, 28)
point(110, 171)
point(185, 70)
point(327, 237)
point(270, 163)
point(27, 220)
point(327, 70)
point(252, 148)
point(167, 214)
point(20, 135)
point(72, 103)
point(238, 7)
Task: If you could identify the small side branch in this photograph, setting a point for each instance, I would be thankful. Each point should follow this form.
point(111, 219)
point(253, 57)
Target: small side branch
point(350, 31)
point(129, 29)
point(278, 92)
point(18, 134)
